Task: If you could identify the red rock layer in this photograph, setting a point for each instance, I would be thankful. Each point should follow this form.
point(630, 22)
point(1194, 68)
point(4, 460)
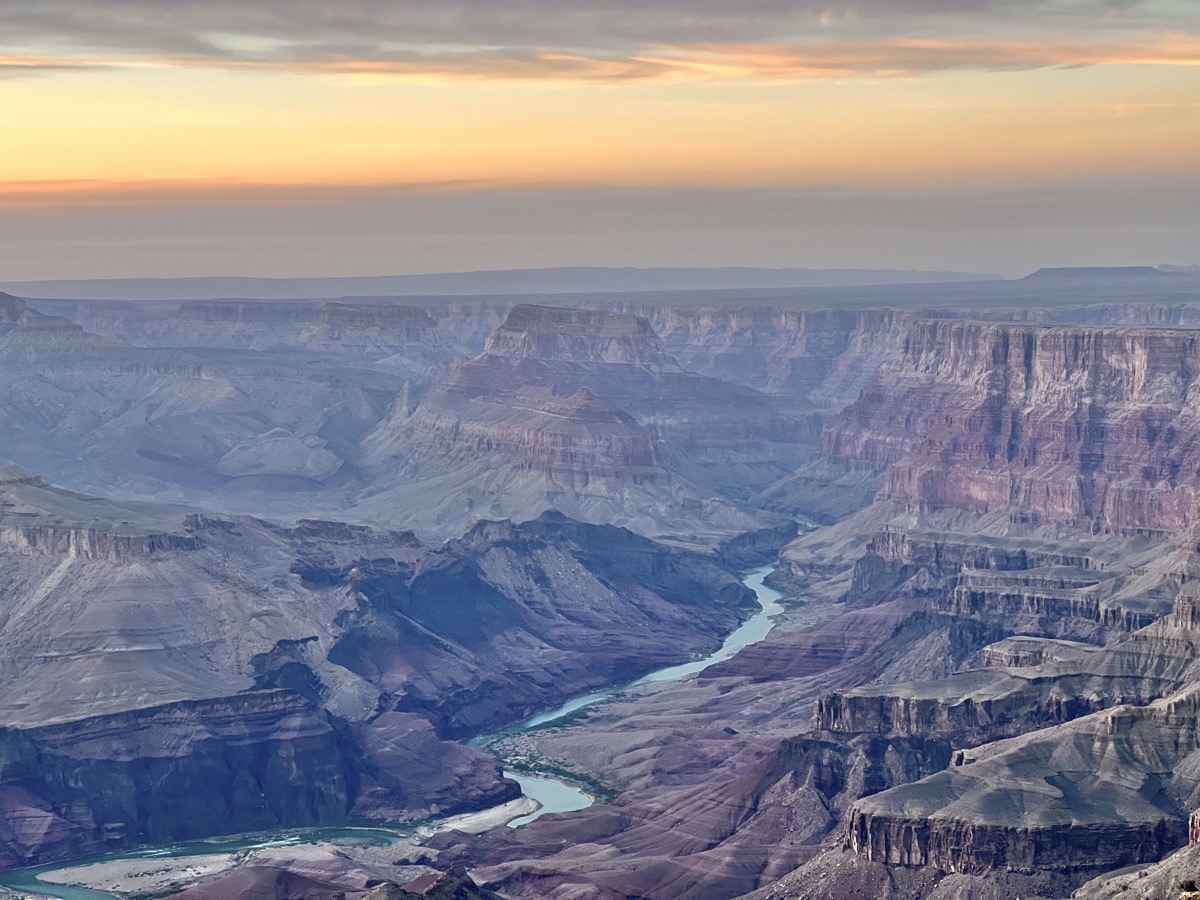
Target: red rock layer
point(1083, 426)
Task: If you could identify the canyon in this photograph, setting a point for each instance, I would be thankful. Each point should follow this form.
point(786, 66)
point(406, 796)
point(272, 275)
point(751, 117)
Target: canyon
point(299, 674)
point(271, 563)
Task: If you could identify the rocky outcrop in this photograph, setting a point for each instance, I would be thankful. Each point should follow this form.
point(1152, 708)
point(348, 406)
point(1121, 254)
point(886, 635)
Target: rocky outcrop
point(578, 335)
point(1043, 611)
point(823, 355)
point(1068, 795)
point(846, 771)
point(252, 324)
point(949, 553)
point(593, 600)
point(25, 330)
point(973, 707)
point(249, 762)
point(898, 555)
point(572, 440)
point(587, 413)
point(1025, 652)
point(1083, 808)
point(31, 525)
point(90, 543)
point(971, 849)
point(1029, 682)
point(968, 709)
point(279, 452)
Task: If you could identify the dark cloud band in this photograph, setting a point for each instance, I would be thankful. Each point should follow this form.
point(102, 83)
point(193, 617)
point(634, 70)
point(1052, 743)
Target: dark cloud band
point(608, 40)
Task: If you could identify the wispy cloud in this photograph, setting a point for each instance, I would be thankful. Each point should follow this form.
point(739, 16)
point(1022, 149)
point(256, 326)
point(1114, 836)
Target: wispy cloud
point(15, 66)
point(596, 40)
point(192, 192)
point(895, 57)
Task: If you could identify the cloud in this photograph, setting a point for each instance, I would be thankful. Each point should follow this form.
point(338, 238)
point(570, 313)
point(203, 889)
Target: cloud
point(596, 40)
point(896, 57)
point(19, 66)
point(855, 57)
point(200, 192)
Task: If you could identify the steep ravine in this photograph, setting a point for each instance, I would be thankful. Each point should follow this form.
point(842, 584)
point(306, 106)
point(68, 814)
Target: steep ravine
point(552, 793)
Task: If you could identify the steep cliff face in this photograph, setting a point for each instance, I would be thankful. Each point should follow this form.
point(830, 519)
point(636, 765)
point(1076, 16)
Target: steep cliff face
point(1037, 815)
point(585, 412)
point(559, 335)
point(1092, 427)
point(822, 355)
point(240, 323)
point(1024, 651)
point(987, 704)
point(90, 543)
point(1161, 314)
point(593, 600)
point(1019, 585)
point(252, 761)
point(1072, 792)
point(1134, 763)
point(180, 771)
point(31, 525)
point(969, 849)
point(572, 440)
point(1036, 487)
point(391, 334)
point(26, 330)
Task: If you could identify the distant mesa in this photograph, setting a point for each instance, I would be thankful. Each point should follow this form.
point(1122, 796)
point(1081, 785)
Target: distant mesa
point(1075, 272)
point(20, 323)
point(564, 280)
point(1193, 269)
point(578, 336)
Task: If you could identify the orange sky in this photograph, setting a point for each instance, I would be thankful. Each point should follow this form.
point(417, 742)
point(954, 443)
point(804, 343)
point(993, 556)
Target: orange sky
point(175, 122)
point(148, 104)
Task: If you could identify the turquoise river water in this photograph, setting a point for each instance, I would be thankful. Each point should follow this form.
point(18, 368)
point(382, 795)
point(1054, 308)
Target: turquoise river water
point(553, 795)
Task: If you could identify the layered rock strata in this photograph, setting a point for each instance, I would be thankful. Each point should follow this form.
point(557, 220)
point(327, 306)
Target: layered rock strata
point(1089, 427)
point(301, 674)
point(587, 413)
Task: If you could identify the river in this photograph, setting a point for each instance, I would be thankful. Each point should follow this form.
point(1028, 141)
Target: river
point(554, 796)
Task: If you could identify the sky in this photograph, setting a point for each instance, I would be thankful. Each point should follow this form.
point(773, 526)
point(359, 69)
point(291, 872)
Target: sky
point(297, 138)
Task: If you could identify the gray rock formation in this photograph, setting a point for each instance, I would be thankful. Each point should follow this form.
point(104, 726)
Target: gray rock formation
point(586, 413)
point(168, 674)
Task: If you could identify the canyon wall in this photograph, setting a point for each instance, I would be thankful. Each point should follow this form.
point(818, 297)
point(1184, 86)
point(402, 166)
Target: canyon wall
point(1089, 427)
